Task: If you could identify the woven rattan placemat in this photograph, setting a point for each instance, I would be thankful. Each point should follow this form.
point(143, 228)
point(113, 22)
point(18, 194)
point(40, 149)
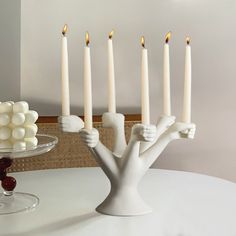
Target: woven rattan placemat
point(70, 150)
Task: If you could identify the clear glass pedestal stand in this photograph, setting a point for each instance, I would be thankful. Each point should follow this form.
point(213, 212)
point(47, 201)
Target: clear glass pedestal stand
point(11, 201)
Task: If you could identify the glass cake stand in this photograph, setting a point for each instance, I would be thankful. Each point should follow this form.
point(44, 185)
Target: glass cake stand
point(10, 201)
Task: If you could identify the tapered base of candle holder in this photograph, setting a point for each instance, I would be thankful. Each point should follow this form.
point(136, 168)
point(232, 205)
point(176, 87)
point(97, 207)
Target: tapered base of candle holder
point(123, 201)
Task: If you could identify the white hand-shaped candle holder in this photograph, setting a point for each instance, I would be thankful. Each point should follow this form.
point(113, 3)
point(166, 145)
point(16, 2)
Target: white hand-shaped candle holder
point(125, 165)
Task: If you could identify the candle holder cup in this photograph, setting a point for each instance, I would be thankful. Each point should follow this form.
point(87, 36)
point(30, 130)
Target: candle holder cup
point(126, 164)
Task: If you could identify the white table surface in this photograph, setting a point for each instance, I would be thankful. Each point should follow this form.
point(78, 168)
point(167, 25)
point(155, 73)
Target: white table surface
point(184, 204)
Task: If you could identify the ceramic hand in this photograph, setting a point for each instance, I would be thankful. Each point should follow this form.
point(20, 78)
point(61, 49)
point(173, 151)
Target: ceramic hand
point(89, 137)
point(70, 123)
point(163, 124)
point(145, 133)
point(181, 130)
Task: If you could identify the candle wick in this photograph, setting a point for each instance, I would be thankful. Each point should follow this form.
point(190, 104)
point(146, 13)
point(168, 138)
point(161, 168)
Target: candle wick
point(188, 40)
point(87, 40)
point(168, 35)
point(143, 41)
point(111, 34)
point(64, 30)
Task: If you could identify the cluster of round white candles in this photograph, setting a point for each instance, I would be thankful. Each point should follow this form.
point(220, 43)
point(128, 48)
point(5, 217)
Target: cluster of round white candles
point(17, 126)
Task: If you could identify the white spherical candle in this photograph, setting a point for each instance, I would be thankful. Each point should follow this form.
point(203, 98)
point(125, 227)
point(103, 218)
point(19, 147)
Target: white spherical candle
point(18, 118)
point(4, 119)
point(5, 107)
point(31, 142)
point(5, 133)
point(31, 131)
point(19, 146)
point(20, 107)
point(5, 145)
point(31, 117)
point(18, 133)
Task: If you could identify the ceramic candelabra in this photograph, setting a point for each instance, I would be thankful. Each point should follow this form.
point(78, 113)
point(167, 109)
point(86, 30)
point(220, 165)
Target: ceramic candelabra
point(126, 164)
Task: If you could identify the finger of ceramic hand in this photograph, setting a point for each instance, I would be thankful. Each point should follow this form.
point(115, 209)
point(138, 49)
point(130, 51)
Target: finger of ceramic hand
point(93, 131)
point(87, 143)
point(84, 131)
point(90, 139)
point(65, 129)
point(148, 127)
point(87, 136)
point(63, 124)
point(191, 136)
point(192, 131)
point(83, 136)
point(90, 142)
point(91, 145)
point(150, 132)
point(148, 135)
point(151, 136)
point(149, 139)
point(142, 133)
point(140, 127)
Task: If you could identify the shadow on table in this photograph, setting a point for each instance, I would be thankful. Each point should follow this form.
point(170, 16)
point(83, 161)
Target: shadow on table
point(59, 225)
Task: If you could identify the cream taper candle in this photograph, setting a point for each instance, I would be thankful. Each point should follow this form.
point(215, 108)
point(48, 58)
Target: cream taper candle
point(88, 115)
point(187, 84)
point(111, 76)
point(144, 85)
point(166, 78)
point(65, 95)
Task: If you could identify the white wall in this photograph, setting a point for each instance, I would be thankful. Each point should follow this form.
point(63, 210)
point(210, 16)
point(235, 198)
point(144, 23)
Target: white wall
point(211, 25)
point(10, 50)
